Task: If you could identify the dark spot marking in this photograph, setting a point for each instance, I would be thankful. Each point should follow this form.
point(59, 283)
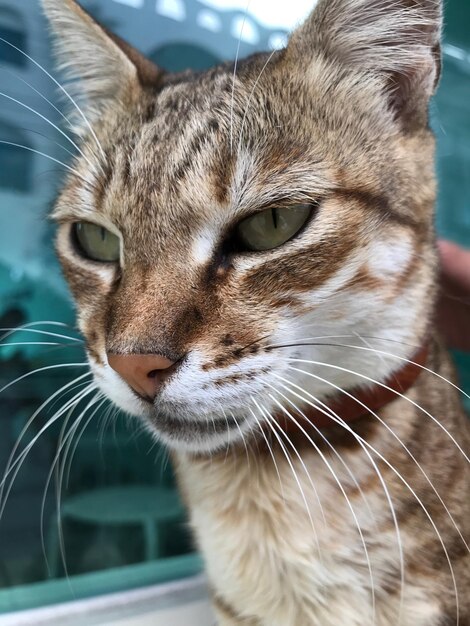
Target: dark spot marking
point(227, 340)
point(213, 125)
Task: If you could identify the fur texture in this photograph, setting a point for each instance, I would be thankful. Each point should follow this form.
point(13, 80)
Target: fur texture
point(358, 526)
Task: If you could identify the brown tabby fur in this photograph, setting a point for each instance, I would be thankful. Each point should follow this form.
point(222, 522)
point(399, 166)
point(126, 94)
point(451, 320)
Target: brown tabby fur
point(339, 119)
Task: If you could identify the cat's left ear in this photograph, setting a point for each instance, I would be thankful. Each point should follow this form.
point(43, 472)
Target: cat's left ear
point(101, 68)
point(394, 42)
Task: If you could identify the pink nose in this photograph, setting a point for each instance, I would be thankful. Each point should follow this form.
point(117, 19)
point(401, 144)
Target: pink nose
point(145, 373)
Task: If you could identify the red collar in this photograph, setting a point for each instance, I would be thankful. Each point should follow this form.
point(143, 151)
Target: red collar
point(360, 402)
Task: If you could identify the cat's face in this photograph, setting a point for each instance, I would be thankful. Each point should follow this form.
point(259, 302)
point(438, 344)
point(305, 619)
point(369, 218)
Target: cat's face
point(330, 151)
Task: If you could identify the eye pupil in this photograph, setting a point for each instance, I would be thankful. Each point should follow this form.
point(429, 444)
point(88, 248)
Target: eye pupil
point(103, 234)
point(274, 216)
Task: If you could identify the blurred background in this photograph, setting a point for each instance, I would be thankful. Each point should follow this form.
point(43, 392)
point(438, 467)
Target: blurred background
point(122, 524)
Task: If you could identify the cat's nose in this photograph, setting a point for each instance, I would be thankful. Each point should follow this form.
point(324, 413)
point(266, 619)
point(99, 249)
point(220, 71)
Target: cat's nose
point(145, 373)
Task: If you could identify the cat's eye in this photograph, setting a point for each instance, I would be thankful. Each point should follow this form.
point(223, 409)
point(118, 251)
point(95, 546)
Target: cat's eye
point(96, 243)
point(271, 228)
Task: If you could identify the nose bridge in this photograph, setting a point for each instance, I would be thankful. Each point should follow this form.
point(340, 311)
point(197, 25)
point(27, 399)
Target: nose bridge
point(153, 311)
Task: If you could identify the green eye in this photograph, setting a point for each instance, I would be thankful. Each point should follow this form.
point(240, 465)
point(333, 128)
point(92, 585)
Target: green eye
point(271, 228)
point(96, 243)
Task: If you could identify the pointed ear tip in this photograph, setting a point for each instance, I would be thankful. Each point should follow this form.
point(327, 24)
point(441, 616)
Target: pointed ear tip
point(49, 6)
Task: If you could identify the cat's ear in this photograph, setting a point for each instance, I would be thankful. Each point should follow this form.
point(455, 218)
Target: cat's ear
point(395, 40)
point(100, 67)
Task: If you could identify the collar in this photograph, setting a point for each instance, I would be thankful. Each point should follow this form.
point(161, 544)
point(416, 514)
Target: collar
point(360, 402)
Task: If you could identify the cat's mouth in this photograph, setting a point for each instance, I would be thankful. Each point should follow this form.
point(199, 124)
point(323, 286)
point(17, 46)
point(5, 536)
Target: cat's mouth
point(185, 416)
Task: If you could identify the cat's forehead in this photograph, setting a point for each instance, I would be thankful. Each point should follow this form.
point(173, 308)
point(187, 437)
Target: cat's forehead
point(202, 149)
point(208, 149)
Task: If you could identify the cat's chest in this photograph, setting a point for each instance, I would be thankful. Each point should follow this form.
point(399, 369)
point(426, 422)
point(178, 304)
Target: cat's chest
point(279, 545)
point(271, 548)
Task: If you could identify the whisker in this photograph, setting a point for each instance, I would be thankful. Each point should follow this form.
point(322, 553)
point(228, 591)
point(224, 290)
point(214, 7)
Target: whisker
point(376, 382)
point(403, 480)
point(30, 343)
point(41, 369)
point(10, 331)
point(343, 491)
point(10, 463)
point(47, 156)
point(289, 460)
point(53, 141)
point(41, 95)
point(49, 476)
point(59, 474)
point(235, 73)
point(335, 452)
point(240, 138)
point(62, 88)
point(243, 440)
point(22, 456)
point(402, 444)
point(370, 349)
point(60, 398)
point(29, 325)
point(48, 121)
point(261, 430)
point(269, 416)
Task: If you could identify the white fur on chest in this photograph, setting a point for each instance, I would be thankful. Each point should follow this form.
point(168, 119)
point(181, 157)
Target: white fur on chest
point(264, 558)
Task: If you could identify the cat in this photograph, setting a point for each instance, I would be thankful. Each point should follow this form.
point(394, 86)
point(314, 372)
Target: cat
point(252, 255)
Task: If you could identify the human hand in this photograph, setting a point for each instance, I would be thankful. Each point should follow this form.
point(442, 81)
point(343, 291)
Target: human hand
point(454, 304)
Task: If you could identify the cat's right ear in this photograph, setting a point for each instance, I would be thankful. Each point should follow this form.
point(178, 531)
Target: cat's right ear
point(395, 43)
point(100, 67)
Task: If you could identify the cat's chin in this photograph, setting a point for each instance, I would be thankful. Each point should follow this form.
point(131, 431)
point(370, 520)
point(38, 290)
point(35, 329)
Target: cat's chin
point(206, 434)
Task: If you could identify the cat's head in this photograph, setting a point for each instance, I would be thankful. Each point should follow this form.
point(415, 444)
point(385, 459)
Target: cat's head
point(213, 218)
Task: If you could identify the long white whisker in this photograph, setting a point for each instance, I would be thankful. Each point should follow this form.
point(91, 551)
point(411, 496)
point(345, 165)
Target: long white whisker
point(41, 95)
point(10, 463)
point(261, 430)
point(335, 452)
point(269, 422)
point(376, 382)
point(60, 471)
point(402, 444)
point(79, 436)
point(60, 398)
point(22, 456)
point(426, 512)
point(10, 331)
point(370, 349)
point(343, 491)
point(240, 138)
point(269, 416)
point(242, 438)
point(358, 438)
point(41, 369)
point(235, 73)
point(48, 121)
point(31, 343)
point(46, 156)
point(28, 325)
point(53, 141)
point(49, 476)
point(62, 88)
